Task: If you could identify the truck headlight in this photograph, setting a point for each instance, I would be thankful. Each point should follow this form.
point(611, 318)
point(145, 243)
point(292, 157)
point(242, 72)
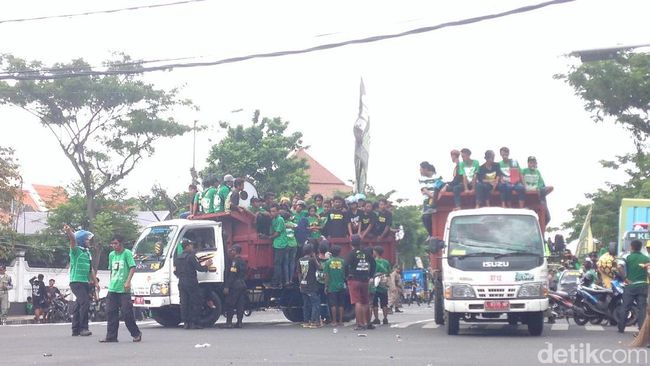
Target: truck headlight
point(159, 289)
point(532, 290)
point(459, 292)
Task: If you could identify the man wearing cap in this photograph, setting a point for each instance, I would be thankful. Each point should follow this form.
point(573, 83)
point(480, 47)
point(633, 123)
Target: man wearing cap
point(186, 266)
point(5, 286)
point(223, 191)
point(82, 278)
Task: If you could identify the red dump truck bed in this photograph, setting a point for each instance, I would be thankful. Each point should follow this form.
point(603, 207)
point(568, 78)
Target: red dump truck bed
point(239, 228)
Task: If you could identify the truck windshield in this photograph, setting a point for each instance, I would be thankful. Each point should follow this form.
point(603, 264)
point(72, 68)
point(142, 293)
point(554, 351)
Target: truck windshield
point(152, 247)
point(495, 235)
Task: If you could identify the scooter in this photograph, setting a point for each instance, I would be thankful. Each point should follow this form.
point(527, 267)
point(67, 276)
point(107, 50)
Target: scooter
point(562, 305)
point(616, 304)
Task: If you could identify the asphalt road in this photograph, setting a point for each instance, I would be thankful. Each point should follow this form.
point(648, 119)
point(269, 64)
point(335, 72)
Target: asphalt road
point(412, 338)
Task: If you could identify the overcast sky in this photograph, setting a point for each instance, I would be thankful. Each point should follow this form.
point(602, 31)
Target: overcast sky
point(479, 86)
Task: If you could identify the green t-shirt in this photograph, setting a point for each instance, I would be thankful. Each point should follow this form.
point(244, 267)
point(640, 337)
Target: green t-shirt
point(291, 235)
point(469, 170)
point(637, 276)
point(533, 180)
point(197, 197)
point(220, 206)
point(333, 268)
point(119, 264)
point(297, 216)
point(382, 266)
point(278, 226)
point(505, 168)
point(314, 221)
point(207, 200)
point(79, 265)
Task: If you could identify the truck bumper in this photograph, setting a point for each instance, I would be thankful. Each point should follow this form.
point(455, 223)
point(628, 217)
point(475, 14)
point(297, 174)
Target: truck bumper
point(478, 306)
point(150, 301)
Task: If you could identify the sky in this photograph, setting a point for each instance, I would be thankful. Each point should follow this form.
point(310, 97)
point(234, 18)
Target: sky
point(480, 86)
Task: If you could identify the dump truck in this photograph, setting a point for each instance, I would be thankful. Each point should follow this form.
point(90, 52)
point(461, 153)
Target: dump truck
point(489, 264)
point(154, 285)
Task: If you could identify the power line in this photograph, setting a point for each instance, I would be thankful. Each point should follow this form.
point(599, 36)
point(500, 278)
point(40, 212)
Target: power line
point(140, 7)
point(328, 46)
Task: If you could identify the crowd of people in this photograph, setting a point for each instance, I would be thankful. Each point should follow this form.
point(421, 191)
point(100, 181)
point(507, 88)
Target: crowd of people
point(480, 180)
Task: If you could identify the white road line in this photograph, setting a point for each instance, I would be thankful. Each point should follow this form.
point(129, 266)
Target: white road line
point(631, 329)
point(148, 322)
point(431, 325)
point(559, 326)
point(408, 324)
point(591, 327)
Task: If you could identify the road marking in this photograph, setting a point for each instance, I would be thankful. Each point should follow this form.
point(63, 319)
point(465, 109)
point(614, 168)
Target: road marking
point(408, 324)
point(631, 329)
point(559, 326)
point(431, 325)
point(142, 323)
point(591, 327)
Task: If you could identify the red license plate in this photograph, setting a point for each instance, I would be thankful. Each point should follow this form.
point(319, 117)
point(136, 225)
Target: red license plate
point(497, 305)
point(139, 300)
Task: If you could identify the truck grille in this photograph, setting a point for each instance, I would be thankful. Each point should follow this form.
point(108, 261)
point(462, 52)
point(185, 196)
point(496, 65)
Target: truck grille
point(496, 292)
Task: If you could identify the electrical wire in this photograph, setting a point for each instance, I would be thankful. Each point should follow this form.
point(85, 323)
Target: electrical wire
point(328, 46)
point(140, 7)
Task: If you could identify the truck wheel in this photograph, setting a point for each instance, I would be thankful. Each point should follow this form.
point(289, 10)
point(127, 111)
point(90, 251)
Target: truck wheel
point(167, 316)
point(535, 323)
point(439, 306)
point(453, 323)
point(209, 316)
point(292, 306)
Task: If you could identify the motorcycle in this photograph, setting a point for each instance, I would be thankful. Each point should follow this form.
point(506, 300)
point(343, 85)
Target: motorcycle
point(58, 311)
point(562, 305)
point(618, 287)
point(97, 310)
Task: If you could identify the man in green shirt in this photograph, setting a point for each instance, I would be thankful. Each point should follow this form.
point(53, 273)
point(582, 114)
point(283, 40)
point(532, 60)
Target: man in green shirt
point(335, 284)
point(223, 192)
point(379, 286)
point(636, 275)
point(82, 278)
point(280, 242)
point(468, 169)
point(122, 267)
point(510, 180)
point(292, 246)
point(209, 195)
point(533, 180)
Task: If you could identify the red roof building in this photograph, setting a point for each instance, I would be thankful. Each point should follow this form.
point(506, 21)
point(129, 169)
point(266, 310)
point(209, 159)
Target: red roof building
point(38, 197)
point(322, 180)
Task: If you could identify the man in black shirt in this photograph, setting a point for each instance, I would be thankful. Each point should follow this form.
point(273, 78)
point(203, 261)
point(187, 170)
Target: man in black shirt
point(188, 286)
point(489, 176)
point(384, 220)
point(39, 297)
point(309, 288)
point(359, 268)
point(235, 287)
point(368, 220)
point(354, 217)
point(337, 220)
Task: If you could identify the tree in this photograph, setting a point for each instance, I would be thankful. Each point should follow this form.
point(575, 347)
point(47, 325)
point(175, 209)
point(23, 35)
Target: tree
point(617, 88)
point(261, 154)
point(104, 125)
point(10, 181)
point(606, 202)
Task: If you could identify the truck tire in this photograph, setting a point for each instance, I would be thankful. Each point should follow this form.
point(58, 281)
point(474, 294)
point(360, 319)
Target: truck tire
point(167, 316)
point(535, 323)
point(292, 306)
point(453, 323)
point(209, 316)
point(439, 306)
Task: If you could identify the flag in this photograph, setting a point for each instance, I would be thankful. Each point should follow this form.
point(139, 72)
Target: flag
point(361, 142)
point(586, 240)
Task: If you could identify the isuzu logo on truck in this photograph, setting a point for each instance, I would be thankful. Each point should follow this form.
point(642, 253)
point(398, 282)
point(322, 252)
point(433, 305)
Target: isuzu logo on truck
point(496, 264)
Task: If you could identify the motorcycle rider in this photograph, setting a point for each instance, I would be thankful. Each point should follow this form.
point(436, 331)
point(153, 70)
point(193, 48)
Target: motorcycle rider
point(636, 276)
point(235, 287)
point(188, 286)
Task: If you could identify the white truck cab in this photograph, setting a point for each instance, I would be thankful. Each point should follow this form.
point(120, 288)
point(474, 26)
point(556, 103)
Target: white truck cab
point(494, 265)
point(154, 284)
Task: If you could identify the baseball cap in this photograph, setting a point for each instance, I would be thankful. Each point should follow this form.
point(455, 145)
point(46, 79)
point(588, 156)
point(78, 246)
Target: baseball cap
point(228, 178)
point(532, 158)
point(301, 203)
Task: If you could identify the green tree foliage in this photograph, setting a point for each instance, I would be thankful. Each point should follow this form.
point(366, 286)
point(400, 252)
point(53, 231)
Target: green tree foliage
point(10, 181)
point(261, 154)
point(105, 125)
point(159, 200)
point(606, 202)
point(618, 88)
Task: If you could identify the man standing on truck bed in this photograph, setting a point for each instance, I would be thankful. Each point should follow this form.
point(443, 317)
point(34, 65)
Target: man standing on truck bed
point(359, 268)
point(280, 243)
point(209, 194)
point(223, 192)
point(235, 287)
point(186, 266)
point(384, 220)
point(336, 225)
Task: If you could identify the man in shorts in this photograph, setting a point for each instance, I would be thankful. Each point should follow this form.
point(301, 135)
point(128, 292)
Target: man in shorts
point(335, 284)
point(359, 268)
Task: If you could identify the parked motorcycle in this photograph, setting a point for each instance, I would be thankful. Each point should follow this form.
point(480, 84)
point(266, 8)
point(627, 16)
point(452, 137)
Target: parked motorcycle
point(596, 304)
point(58, 310)
point(561, 304)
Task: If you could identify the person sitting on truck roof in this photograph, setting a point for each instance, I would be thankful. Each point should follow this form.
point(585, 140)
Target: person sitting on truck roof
point(192, 192)
point(456, 179)
point(280, 242)
point(533, 182)
point(208, 205)
point(337, 220)
point(223, 191)
point(510, 180)
point(262, 217)
point(468, 169)
point(430, 187)
point(489, 176)
point(384, 220)
point(232, 200)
